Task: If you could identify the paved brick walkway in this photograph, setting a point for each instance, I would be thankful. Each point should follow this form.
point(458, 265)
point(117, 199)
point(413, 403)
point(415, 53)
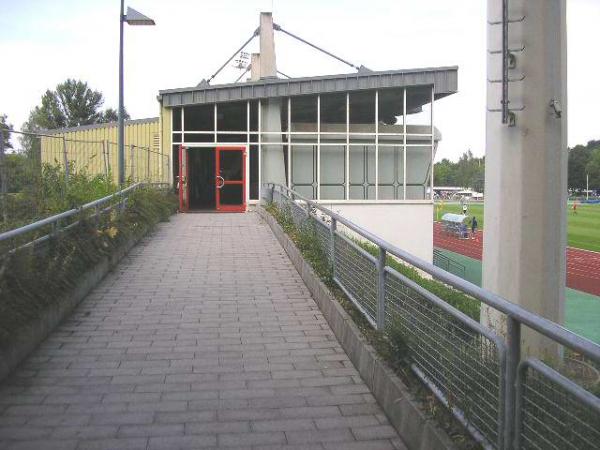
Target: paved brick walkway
point(205, 336)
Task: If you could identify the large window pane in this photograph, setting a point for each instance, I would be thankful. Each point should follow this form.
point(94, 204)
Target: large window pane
point(232, 117)
point(199, 118)
point(304, 162)
point(253, 172)
point(333, 172)
point(176, 116)
point(304, 113)
point(362, 172)
point(362, 112)
point(391, 173)
point(333, 108)
point(418, 166)
point(418, 106)
point(390, 106)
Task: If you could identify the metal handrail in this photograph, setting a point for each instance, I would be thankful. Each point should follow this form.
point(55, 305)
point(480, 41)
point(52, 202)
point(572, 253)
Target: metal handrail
point(66, 214)
point(516, 316)
point(540, 324)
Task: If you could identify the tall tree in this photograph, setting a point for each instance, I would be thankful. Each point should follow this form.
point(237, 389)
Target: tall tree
point(4, 125)
point(111, 115)
point(579, 157)
point(71, 104)
point(593, 169)
point(445, 173)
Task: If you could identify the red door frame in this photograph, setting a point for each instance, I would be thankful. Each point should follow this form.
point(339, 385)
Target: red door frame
point(219, 182)
point(182, 181)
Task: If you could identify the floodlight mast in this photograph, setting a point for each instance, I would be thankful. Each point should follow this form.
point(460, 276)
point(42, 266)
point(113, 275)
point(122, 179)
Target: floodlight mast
point(132, 17)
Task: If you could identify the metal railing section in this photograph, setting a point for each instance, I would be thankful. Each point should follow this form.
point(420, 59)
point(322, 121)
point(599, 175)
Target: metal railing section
point(460, 360)
point(468, 367)
point(553, 412)
point(58, 223)
point(448, 264)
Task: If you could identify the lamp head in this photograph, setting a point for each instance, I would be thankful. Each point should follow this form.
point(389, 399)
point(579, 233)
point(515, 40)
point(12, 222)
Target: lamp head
point(134, 17)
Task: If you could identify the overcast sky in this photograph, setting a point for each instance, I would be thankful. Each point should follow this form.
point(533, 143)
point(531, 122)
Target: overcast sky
point(43, 42)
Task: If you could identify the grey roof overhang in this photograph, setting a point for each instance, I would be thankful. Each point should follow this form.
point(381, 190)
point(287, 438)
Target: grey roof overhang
point(444, 80)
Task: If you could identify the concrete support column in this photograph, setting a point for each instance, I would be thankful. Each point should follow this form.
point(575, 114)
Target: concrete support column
point(272, 160)
point(255, 67)
point(526, 166)
point(268, 65)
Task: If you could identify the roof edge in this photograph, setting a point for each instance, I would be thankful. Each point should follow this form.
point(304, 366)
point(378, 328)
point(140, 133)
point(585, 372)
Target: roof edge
point(102, 125)
point(272, 81)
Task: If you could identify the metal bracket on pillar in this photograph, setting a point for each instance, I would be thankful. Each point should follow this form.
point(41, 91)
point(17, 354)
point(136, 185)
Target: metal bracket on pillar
point(509, 61)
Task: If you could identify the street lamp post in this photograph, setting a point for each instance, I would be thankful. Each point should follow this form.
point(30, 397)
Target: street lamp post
point(132, 17)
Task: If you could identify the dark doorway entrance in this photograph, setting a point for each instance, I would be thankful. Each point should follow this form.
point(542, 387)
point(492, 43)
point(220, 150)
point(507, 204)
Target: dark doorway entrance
point(202, 178)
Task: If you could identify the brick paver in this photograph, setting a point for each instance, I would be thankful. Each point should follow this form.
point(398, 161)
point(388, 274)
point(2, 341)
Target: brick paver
point(203, 337)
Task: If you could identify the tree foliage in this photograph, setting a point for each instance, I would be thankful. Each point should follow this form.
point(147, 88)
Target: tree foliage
point(593, 168)
point(467, 172)
point(71, 104)
point(4, 125)
point(581, 164)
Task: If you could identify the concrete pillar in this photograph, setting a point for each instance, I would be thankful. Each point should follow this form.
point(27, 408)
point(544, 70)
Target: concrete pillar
point(273, 165)
point(255, 67)
point(526, 167)
point(268, 65)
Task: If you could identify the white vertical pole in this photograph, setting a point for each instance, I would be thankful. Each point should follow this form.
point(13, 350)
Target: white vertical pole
point(404, 141)
point(247, 183)
point(319, 147)
point(376, 145)
point(432, 139)
point(289, 160)
point(347, 146)
point(587, 186)
point(215, 114)
point(259, 149)
point(182, 126)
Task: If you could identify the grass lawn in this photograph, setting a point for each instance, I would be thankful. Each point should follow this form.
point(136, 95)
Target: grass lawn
point(583, 229)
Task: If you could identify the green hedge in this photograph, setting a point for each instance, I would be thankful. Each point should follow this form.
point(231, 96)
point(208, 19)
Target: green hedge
point(33, 279)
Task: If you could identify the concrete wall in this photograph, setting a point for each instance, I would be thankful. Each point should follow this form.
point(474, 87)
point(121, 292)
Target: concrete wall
point(408, 226)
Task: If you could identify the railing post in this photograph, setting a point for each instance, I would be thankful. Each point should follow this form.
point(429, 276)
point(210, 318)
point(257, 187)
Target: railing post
point(513, 357)
point(55, 228)
point(381, 289)
point(131, 162)
point(104, 154)
point(332, 229)
point(66, 159)
point(148, 165)
point(3, 180)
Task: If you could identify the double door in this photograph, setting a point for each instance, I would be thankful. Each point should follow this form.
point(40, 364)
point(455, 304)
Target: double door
point(229, 178)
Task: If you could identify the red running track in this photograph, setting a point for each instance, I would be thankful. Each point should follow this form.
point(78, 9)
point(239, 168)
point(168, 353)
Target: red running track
point(583, 266)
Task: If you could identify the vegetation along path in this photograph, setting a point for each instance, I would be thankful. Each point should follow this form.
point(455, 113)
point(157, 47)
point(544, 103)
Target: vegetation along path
point(204, 336)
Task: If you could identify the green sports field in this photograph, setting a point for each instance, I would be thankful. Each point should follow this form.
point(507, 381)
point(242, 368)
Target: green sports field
point(582, 311)
point(583, 230)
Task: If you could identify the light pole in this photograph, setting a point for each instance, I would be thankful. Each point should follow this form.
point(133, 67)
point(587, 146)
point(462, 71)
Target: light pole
point(132, 17)
point(587, 186)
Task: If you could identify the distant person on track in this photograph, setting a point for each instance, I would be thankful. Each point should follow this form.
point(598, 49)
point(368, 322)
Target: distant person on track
point(465, 207)
point(473, 227)
point(575, 207)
